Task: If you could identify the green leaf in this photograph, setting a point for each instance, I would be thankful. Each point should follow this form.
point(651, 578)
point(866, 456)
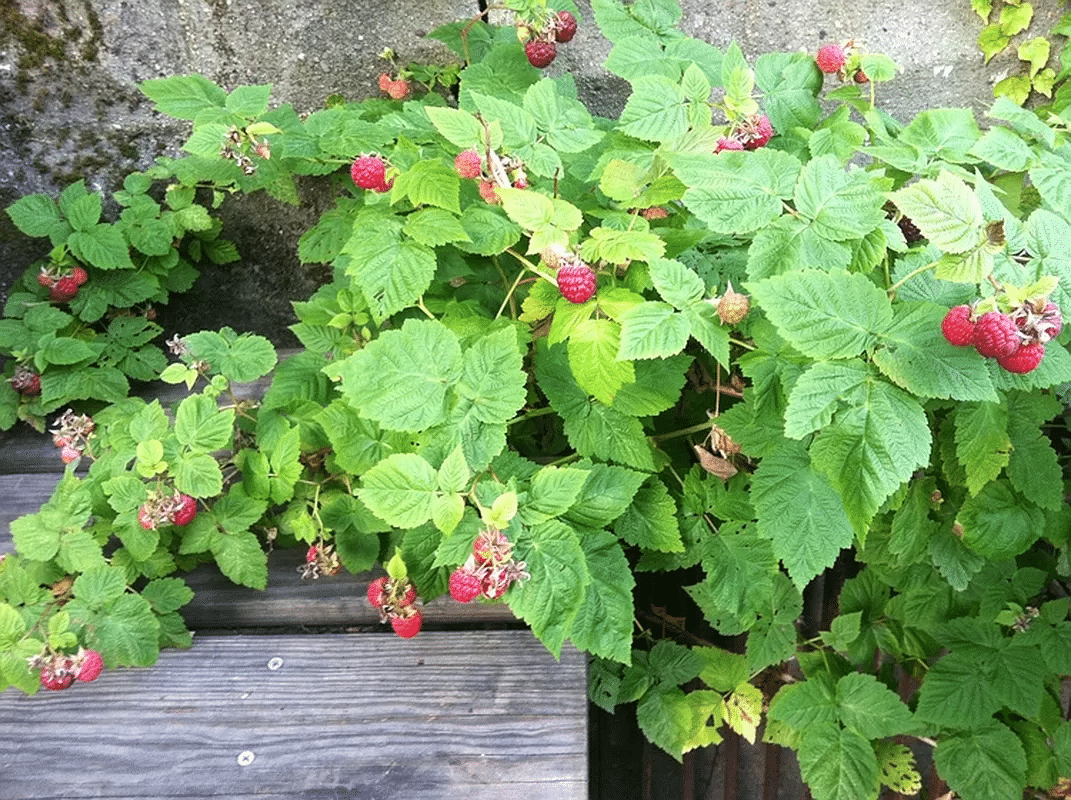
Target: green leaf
point(401, 489)
point(126, 633)
point(946, 210)
point(102, 246)
point(824, 314)
point(982, 443)
point(652, 330)
point(551, 599)
point(838, 764)
point(201, 426)
point(1005, 150)
point(870, 708)
point(249, 101)
point(986, 763)
point(739, 567)
point(997, 523)
point(430, 183)
point(606, 494)
point(391, 270)
point(100, 586)
point(552, 492)
point(183, 96)
point(401, 379)
point(489, 230)
point(434, 227)
point(872, 447)
point(460, 128)
point(917, 357)
point(807, 704)
point(737, 192)
point(677, 284)
point(801, 513)
point(37, 215)
point(84, 213)
point(603, 625)
point(650, 521)
point(240, 358)
point(707, 329)
point(594, 356)
point(241, 558)
point(773, 637)
point(657, 387)
point(656, 111)
point(492, 377)
point(841, 205)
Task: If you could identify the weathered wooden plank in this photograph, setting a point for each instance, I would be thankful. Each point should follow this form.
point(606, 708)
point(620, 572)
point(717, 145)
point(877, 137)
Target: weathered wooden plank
point(288, 601)
point(471, 714)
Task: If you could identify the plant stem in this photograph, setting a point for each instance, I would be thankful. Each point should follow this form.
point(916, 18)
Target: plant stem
point(535, 412)
point(892, 289)
point(509, 293)
point(529, 265)
point(703, 426)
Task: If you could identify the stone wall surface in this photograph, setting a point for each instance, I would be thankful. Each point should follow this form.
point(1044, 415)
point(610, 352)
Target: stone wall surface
point(70, 108)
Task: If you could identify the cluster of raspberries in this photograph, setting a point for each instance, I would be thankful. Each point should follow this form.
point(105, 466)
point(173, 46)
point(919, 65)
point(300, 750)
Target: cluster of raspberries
point(59, 671)
point(541, 47)
point(1015, 339)
point(62, 284)
point(501, 170)
point(489, 571)
point(162, 508)
point(71, 434)
point(396, 601)
point(749, 133)
point(395, 88)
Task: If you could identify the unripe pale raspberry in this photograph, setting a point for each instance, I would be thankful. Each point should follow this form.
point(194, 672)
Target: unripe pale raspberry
point(958, 327)
point(732, 306)
point(399, 89)
point(576, 282)
point(1023, 360)
point(69, 453)
point(467, 164)
point(385, 81)
point(995, 335)
point(489, 192)
point(831, 58)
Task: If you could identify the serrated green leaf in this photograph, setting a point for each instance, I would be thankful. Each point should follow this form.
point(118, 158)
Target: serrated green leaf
point(656, 110)
point(870, 708)
point(657, 386)
point(606, 494)
point(401, 489)
point(460, 128)
point(434, 227)
point(390, 270)
point(126, 633)
point(650, 521)
point(652, 330)
point(806, 705)
point(773, 637)
point(603, 624)
point(101, 246)
point(986, 763)
point(838, 764)
point(824, 314)
point(552, 492)
point(739, 567)
point(982, 443)
point(37, 215)
point(595, 359)
point(840, 205)
point(492, 378)
point(201, 426)
point(677, 284)
point(489, 230)
point(401, 379)
point(183, 96)
point(997, 523)
point(946, 210)
point(241, 558)
point(242, 358)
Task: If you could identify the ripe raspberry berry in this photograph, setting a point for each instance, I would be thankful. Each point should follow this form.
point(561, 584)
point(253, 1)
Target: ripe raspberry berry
point(831, 58)
point(57, 674)
point(1023, 360)
point(80, 275)
point(66, 288)
point(409, 596)
point(185, 510)
point(995, 335)
point(26, 382)
point(576, 282)
point(958, 327)
point(385, 80)
point(464, 585)
point(1052, 321)
point(467, 164)
point(489, 192)
point(370, 172)
point(727, 143)
point(69, 453)
point(407, 626)
point(540, 52)
point(399, 89)
point(377, 592)
point(312, 554)
point(91, 667)
point(759, 132)
point(146, 518)
point(564, 26)
point(860, 77)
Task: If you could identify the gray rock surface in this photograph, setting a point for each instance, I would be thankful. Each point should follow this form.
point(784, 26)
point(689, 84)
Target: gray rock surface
point(70, 108)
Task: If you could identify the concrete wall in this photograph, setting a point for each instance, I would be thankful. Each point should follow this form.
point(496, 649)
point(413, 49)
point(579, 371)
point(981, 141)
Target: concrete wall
point(69, 107)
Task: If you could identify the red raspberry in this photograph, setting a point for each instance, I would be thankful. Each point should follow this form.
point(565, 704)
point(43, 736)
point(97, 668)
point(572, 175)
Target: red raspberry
point(576, 282)
point(26, 382)
point(491, 546)
point(385, 80)
point(64, 289)
point(146, 518)
point(467, 164)
point(464, 585)
point(399, 89)
point(494, 586)
point(489, 192)
point(831, 58)
point(520, 183)
point(91, 667)
point(407, 626)
point(727, 143)
point(564, 26)
point(377, 592)
point(312, 554)
point(759, 131)
point(69, 453)
point(370, 172)
point(80, 275)
point(57, 674)
point(185, 510)
point(995, 335)
point(860, 77)
point(958, 327)
point(1052, 320)
point(1023, 360)
point(540, 52)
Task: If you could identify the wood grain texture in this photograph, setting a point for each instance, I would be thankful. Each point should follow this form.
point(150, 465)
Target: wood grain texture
point(444, 715)
point(289, 600)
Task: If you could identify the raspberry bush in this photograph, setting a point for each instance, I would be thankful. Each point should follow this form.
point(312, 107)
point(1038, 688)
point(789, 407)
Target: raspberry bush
point(763, 363)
